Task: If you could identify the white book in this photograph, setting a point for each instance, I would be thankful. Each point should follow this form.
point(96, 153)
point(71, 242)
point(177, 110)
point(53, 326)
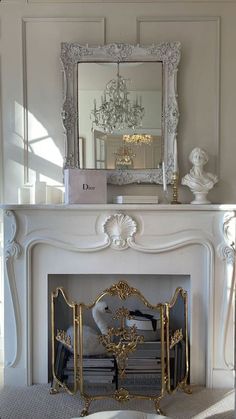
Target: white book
point(135, 199)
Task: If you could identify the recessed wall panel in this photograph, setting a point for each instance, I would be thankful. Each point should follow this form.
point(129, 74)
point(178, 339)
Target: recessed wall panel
point(43, 87)
point(198, 80)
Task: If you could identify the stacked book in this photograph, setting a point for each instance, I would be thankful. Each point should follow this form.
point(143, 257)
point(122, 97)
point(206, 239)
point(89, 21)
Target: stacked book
point(142, 371)
point(96, 369)
point(143, 366)
point(99, 370)
point(147, 349)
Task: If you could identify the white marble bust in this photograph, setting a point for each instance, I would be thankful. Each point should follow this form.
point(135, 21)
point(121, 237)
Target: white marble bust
point(199, 181)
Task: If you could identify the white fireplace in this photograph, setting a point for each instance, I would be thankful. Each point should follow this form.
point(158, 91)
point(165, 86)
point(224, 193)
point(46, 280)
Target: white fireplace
point(86, 248)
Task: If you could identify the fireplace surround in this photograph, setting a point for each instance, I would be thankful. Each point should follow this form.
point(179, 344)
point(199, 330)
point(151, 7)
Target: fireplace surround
point(92, 243)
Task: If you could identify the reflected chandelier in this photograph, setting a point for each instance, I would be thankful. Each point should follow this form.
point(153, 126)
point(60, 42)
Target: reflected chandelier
point(116, 111)
point(137, 139)
point(124, 157)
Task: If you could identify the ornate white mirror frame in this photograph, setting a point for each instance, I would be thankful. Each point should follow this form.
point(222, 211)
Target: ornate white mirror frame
point(166, 52)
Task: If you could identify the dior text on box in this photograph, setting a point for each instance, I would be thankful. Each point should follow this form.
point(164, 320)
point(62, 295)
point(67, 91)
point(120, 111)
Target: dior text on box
point(85, 186)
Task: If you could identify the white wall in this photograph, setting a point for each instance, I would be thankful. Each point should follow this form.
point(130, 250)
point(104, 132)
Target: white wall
point(30, 37)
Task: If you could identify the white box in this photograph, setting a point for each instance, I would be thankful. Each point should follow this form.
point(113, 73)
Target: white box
point(85, 186)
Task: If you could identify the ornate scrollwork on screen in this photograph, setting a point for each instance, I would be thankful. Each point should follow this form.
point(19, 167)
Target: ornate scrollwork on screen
point(122, 290)
point(176, 337)
point(128, 340)
point(61, 336)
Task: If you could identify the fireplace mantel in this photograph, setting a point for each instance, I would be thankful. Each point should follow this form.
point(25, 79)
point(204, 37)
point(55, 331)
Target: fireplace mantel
point(41, 240)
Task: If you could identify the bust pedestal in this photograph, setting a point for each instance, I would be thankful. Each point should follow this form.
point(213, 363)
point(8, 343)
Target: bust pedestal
point(200, 198)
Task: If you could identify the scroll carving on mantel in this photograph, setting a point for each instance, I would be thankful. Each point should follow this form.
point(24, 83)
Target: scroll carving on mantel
point(226, 252)
point(120, 229)
point(12, 251)
point(226, 249)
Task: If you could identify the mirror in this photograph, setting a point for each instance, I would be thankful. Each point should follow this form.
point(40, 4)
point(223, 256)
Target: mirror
point(120, 109)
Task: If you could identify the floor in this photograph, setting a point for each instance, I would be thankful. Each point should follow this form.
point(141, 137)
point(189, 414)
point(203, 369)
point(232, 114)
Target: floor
point(35, 402)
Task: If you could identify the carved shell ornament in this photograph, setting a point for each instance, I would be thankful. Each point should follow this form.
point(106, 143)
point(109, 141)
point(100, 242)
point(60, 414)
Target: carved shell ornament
point(119, 228)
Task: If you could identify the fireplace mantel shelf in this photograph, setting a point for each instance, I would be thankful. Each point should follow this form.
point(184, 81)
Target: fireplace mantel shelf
point(120, 207)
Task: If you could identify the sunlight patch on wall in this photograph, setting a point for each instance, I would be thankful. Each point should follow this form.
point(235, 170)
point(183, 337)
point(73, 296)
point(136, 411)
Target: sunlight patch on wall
point(36, 129)
point(41, 144)
point(46, 148)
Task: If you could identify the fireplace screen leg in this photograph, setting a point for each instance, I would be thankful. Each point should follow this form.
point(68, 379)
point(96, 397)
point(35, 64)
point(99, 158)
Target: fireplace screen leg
point(185, 387)
point(54, 388)
point(85, 410)
point(157, 406)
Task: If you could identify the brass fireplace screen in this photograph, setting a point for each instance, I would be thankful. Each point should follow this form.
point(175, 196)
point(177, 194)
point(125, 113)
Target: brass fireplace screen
point(120, 346)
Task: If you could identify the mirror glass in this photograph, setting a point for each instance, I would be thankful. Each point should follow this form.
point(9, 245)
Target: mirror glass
point(120, 115)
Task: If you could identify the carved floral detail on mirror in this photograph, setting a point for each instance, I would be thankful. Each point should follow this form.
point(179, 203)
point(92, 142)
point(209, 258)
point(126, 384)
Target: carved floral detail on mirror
point(168, 53)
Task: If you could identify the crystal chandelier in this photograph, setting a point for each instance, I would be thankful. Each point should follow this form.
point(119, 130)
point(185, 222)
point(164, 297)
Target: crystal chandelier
point(116, 112)
point(137, 139)
point(124, 157)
